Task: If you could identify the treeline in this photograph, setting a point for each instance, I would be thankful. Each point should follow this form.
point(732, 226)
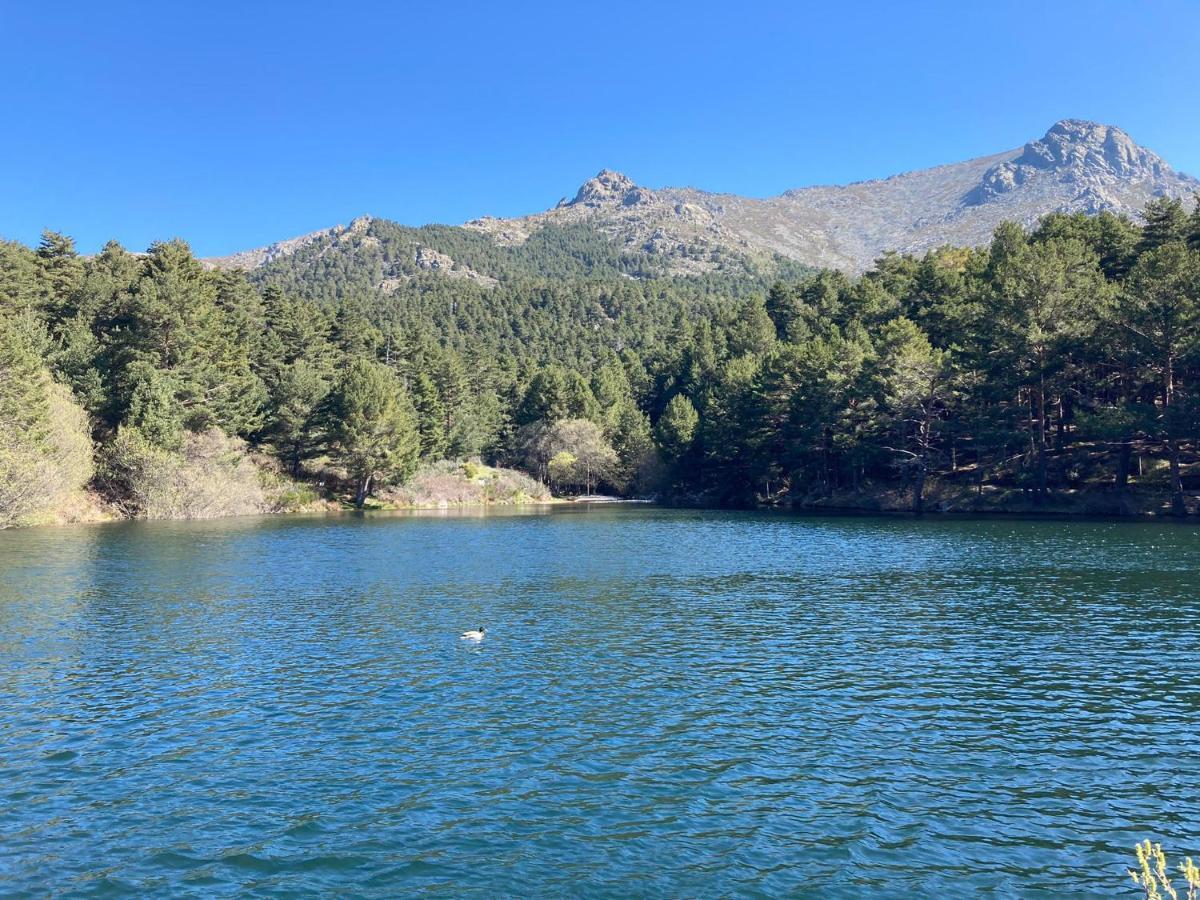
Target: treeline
point(1047, 360)
point(1041, 362)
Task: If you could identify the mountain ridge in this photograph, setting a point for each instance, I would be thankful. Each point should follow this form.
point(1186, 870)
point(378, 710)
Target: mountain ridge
point(1076, 166)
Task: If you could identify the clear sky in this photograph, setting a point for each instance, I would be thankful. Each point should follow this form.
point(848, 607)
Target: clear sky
point(236, 124)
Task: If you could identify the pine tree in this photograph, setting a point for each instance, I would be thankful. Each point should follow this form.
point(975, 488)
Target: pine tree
point(431, 417)
point(1194, 224)
point(294, 420)
point(154, 409)
point(917, 381)
point(45, 448)
point(1046, 296)
point(1166, 222)
point(676, 427)
point(61, 271)
point(19, 278)
point(1160, 307)
point(372, 427)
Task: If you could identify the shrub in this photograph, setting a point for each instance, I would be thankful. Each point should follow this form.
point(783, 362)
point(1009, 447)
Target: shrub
point(447, 483)
point(43, 465)
point(209, 476)
point(1153, 878)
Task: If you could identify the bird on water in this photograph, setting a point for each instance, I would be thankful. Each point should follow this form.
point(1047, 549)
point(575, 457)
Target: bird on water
point(475, 635)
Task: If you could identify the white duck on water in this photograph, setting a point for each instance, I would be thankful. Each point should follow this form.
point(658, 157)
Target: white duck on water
point(475, 635)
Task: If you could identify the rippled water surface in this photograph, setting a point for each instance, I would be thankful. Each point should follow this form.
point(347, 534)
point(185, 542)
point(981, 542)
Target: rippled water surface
point(666, 703)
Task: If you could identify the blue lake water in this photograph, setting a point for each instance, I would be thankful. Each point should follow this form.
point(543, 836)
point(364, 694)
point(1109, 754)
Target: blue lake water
point(666, 703)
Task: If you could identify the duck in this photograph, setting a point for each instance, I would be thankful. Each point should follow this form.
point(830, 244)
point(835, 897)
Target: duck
point(476, 635)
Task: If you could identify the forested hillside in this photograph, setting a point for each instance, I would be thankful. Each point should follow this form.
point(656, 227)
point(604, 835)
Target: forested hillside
point(1048, 363)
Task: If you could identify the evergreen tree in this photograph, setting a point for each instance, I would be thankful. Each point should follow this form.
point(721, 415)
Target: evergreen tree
point(61, 271)
point(373, 429)
point(19, 278)
point(154, 409)
point(1166, 222)
point(1047, 295)
point(1194, 224)
point(294, 423)
point(1160, 307)
point(918, 384)
point(676, 427)
point(431, 417)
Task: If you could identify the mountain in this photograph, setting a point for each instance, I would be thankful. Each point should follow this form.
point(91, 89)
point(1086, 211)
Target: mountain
point(1077, 166)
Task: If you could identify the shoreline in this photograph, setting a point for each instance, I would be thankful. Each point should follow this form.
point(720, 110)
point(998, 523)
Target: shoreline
point(331, 508)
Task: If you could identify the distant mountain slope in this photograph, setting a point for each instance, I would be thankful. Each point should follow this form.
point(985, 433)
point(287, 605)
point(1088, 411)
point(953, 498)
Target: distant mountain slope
point(615, 225)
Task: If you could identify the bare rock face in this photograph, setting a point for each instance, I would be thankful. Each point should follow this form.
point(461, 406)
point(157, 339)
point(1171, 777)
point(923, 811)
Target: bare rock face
point(261, 256)
point(606, 189)
point(1085, 157)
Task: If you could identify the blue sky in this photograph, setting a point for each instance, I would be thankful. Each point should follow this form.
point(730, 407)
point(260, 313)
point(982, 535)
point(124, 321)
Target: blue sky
point(236, 124)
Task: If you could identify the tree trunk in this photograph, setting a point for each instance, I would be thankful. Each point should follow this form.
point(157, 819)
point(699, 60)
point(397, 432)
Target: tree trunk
point(1178, 506)
point(919, 489)
point(363, 491)
point(1124, 458)
point(1040, 414)
point(826, 450)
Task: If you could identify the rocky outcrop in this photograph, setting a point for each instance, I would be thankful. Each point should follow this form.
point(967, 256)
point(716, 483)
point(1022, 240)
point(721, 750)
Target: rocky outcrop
point(1080, 161)
point(260, 256)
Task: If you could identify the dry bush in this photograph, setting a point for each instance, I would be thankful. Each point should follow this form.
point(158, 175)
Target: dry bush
point(511, 486)
point(210, 476)
point(40, 471)
point(448, 483)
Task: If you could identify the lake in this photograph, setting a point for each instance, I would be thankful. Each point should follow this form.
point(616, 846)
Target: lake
point(666, 703)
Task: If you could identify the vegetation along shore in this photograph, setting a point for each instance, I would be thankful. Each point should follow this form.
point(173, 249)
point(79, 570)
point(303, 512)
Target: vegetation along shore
point(1051, 370)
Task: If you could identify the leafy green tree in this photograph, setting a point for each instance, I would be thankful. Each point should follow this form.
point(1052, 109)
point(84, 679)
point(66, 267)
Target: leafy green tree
point(572, 453)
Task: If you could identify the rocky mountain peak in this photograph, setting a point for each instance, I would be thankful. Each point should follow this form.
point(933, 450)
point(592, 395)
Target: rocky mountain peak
point(1094, 147)
point(1089, 155)
point(609, 188)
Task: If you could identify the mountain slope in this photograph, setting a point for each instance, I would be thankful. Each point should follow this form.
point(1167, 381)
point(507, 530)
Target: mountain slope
point(1077, 166)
